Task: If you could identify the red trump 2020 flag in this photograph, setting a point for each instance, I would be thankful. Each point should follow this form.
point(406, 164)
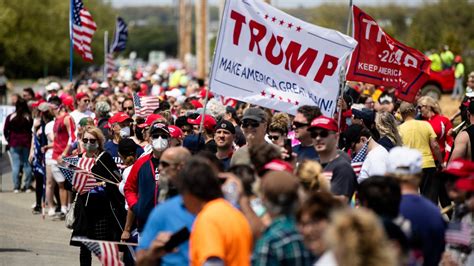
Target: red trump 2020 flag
point(380, 59)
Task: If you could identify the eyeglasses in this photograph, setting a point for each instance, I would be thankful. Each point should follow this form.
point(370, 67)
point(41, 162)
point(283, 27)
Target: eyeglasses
point(128, 108)
point(87, 101)
point(91, 141)
point(156, 136)
point(250, 123)
point(322, 134)
point(273, 137)
point(299, 124)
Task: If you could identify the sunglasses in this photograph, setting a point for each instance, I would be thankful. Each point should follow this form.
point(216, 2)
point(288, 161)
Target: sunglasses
point(321, 134)
point(274, 137)
point(128, 108)
point(156, 136)
point(250, 123)
point(87, 101)
point(299, 124)
point(91, 141)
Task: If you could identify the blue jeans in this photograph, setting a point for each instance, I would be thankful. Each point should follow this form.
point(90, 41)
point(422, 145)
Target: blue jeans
point(20, 158)
point(458, 89)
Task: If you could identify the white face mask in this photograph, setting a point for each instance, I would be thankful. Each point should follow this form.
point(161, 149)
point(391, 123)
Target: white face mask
point(125, 132)
point(160, 144)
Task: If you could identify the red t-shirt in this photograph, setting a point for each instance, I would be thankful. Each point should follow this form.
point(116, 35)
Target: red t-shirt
point(61, 135)
point(441, 125)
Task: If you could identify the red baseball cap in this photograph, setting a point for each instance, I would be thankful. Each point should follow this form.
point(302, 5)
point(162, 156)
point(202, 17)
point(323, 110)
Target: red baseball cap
point(209, 121)
point(197, 104)
point(119, 118)
point(325, 123)
point(149, 120)
point(175, 132)
point(68, 101)
point(466, 184)
point(202, 94)
point(459, 167)
point(81, 95)
point(278, 165)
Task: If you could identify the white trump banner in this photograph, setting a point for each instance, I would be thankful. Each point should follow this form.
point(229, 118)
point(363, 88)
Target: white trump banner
point(269, 58)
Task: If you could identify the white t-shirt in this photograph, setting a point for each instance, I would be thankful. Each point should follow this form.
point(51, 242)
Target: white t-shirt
point(48, 129)
point(125, 174)
point(78, 115)
point(375, 163)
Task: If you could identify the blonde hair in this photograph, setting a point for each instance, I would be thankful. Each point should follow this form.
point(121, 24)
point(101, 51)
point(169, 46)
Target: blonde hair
point(432, 103)
point(357, 238)
point(311, 176)
point(386, 125)
point(279, 123)
point(97, 133)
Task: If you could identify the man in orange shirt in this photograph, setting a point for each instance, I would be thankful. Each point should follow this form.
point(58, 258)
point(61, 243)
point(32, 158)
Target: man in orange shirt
point(221, 235)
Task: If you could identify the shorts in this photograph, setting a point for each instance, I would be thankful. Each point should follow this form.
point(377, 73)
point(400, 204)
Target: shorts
point(57, 175)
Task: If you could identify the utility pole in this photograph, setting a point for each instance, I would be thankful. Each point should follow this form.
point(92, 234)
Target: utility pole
point(184, 29)
point(202, 44)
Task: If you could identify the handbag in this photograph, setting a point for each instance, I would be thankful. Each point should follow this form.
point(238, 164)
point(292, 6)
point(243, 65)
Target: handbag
point(70, 218)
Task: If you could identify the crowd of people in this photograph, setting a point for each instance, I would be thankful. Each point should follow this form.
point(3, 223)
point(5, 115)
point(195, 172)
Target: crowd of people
point(389, 183)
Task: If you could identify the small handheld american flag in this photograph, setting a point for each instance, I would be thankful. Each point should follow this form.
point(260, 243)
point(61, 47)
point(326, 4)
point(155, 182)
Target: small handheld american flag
point(108, 253)
point(458, 233)
point(359, 159)
point(80, 178)
point(145, 105)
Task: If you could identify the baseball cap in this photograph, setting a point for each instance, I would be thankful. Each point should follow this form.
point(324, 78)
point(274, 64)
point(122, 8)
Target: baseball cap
point(209, 121)
point(226, 125)
point(68, 101)
point(466, 184)
point(81, 95)
point(157, 127)
point(175, 132)
point(365, 114)
point(53, 86)
point(119, 118)
point(256, 114)
point(278, 165)
point(202, 94)
point(196, 104)
point(460, 168)
point(324, 122)
point(127, 147)
point(173, 93)
point(404, 161)
point(43, 107)
point(149, 120)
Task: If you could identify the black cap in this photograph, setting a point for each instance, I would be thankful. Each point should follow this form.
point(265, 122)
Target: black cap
point(227, 125)
point(256, 114)
point(157, 127)
point(365, 114)
point(127, 147)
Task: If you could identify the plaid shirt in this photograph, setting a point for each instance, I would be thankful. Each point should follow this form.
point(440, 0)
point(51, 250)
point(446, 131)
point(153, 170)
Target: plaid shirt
point(281, 244)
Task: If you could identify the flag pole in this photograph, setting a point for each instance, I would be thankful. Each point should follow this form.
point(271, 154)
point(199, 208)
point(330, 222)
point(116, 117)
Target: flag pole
point(71, 50)
point(106, 44)
point(342, 74)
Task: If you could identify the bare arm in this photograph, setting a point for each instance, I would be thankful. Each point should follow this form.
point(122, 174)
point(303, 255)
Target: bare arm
point(460, 146)
point(436, 151)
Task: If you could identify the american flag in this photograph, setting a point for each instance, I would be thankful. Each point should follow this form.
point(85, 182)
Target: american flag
point(110, 63)
point(145, 105)
point(80, 178)
point(82, 29)
point(108, 253)
point(120, 36)
point(359, 159)
point(458, 233)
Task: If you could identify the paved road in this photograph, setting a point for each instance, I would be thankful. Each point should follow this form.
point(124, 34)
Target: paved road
point(27, 239)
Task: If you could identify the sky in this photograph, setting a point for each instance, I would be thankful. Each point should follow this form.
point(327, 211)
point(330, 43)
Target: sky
point(280, 3)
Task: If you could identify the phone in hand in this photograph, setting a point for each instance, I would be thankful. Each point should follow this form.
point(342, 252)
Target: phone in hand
point(177, 239)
